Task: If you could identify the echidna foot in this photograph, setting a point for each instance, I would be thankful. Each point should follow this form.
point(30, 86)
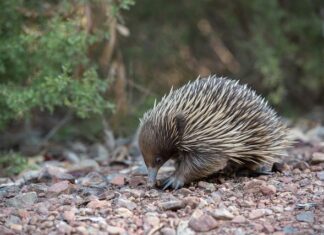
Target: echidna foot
point(173, 182)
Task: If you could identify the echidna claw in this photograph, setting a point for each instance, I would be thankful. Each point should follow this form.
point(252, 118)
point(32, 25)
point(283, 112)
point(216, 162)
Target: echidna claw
point(167, 183)
point(172, 182)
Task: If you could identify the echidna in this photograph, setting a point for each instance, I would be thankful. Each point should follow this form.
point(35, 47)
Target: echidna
point(206, 125)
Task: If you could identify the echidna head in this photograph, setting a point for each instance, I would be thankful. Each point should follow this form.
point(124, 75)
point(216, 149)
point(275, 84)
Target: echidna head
point(156, 149)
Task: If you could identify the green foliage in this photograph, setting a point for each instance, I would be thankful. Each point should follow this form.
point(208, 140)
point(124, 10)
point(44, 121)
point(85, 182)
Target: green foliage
point(44, 59)
point(12, 164)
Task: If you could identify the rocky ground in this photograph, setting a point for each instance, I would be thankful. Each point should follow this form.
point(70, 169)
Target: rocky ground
point(95, 192)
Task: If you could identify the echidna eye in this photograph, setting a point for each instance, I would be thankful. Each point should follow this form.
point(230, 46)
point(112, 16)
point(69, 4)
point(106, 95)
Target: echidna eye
point(158, 161)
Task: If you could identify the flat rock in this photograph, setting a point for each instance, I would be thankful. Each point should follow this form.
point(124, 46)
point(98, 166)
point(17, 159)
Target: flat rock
point(317, 157)
point(268, 189)
point(222, 214)
point(257, 213)
point(122, 202)
point(208, 186)
point(59, 187)
point(172, 205)
point(254, 186)
point(123, 212)
point(320, 175)
point(22, 200)
point(203, 223)
point(115, 230)
point(95, 204)
point(306, 216)
point(239, 219)
point(118, 180)
point(184, 229)
point(168, 231)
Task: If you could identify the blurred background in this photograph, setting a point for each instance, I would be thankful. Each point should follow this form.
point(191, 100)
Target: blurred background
point(86, 70)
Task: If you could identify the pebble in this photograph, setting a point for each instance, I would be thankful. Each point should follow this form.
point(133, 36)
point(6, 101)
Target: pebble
point(239, 219)
point(301, 165)
point(290, 230)
point(94, 204)
point(172, 205)
point(22, 200)
point(59, 187)
point(222, 214)
point(268, 227)
point(152, 220)
point(122, 202)
point(93, 179)
point(254, 186)
point(320, 175)
point(203, 223)
point(16, 227)
point(115, 230)
point(317, 157)
point(193, 202)
point(183, 229)
point(168, 231)
point(124, 212)
point(257, 213)
point(118, 180)
point(208, 186)
point(268, 189)
point(306, 216)
point(64, 228)
point(69, 216)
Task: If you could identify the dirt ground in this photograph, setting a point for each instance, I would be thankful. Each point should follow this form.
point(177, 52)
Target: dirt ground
point(100, 192)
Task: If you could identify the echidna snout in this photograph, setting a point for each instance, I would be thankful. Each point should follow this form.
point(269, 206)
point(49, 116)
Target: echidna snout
point(205, 126)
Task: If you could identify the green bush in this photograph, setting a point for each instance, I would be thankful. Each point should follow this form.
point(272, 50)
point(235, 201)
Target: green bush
point(45, 61)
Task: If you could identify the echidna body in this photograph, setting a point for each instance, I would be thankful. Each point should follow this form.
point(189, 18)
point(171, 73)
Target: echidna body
point(206, 125)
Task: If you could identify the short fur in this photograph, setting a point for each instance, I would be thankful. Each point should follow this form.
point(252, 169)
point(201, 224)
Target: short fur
point(206, 124)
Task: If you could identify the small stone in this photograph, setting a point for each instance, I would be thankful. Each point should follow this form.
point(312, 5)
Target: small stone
point(239, 219)
point(69, 216)
point(301, 165)
point(290, 230)
point(94, 204)
point(208, 186)
point(183, 229)
point(254, 186)
point(168, 231)
point(217, 198)
point(22, 200)
point(317, 157)
point(280, 167)
point(126, 203)
point(306, 216)
point(258, 227)
point(136, 180)
point(203, 223)
point(16, 227)
point(257, 213)
point(118, 180)
point(268, 189)
point(64, 228)
point(59, 187)
point(172, 205)
point(184, 191)
point(124, 212)
point(222, 214)
point(268, 227)
point(93, 179)
point(115, 230)
point(193, 202)
point(320, 175)
point(152, 220)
